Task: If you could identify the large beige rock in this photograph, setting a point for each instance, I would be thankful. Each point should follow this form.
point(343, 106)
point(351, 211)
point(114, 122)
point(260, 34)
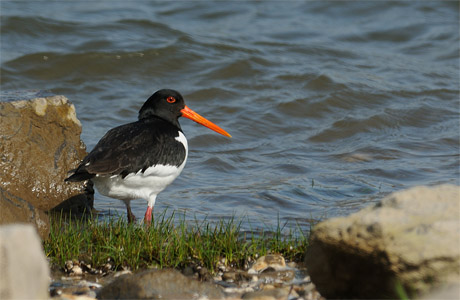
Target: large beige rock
point(448, 292)
point(39, 143)
point(24, 272)
point(412, 236)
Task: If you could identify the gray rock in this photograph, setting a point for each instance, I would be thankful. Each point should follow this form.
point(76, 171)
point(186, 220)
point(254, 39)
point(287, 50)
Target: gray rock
point(411, 237)
point(271, 294)
point(24, 269)
point(159, 284)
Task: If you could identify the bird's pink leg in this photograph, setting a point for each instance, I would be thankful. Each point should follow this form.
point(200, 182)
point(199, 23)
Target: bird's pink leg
point(148, 213)
point(148, 216)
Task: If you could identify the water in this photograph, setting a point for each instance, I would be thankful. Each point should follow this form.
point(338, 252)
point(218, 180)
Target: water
point(331, 105)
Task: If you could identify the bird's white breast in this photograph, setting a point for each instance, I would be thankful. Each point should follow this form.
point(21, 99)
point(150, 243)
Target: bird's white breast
point(141, 184)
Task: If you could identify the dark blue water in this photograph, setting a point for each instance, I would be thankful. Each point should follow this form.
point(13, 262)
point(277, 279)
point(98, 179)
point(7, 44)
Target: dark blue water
point(331, 105)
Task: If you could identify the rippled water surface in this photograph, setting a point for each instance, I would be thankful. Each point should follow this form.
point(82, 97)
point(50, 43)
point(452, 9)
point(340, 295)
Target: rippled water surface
point(331, 105)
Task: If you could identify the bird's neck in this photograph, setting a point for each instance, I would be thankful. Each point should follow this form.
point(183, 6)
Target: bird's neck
point(152, 118)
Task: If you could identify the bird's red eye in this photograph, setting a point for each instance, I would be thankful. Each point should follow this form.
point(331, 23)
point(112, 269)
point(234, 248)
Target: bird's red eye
point(171, 99)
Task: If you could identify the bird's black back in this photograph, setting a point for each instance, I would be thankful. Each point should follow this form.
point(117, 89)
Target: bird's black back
point(132, 147)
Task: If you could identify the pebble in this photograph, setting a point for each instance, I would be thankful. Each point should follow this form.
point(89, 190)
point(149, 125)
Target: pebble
point(76, 271)
point(277, 276)
point(236, 276)
point(274, 261)
point(68, 265)
point(188, 271)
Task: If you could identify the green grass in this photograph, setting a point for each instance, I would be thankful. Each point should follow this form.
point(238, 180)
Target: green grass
point(401, 291)
point(170, 242)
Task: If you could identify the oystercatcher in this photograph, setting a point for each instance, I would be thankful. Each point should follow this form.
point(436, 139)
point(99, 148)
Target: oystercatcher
point(140, 159)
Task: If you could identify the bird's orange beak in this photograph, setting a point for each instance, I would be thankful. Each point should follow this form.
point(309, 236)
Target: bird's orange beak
point(190, 114)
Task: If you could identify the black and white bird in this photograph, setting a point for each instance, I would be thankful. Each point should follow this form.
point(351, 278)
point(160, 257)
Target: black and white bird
point(140, 159)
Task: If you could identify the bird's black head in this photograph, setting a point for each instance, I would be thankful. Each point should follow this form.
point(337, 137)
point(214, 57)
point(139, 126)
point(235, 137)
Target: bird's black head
point(166, 104)
point(169, 105)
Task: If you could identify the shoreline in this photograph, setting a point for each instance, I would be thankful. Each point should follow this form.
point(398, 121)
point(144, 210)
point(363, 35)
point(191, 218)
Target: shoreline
point(171, 241)
point(245, 266)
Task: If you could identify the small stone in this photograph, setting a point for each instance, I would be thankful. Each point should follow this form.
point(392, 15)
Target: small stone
point(188, 271)
point(86, 268)
point(252, 271)
point(204, 274)
point(76, 271)
point(68, 265)
point(268, 287)
point(223, 269)
point(278, 276)
point(229, 276)
point(107, 267)
point(274, 261)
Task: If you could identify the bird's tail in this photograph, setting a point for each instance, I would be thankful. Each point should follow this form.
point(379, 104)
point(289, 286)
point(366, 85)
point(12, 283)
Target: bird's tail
point(78, 175)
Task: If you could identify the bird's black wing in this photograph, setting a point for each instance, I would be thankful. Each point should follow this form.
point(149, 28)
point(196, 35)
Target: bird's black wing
point(132, 147)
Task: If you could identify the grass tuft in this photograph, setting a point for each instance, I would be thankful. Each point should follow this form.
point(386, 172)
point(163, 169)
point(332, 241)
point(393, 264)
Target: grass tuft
point(168, 242)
